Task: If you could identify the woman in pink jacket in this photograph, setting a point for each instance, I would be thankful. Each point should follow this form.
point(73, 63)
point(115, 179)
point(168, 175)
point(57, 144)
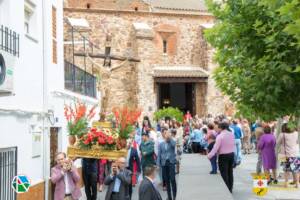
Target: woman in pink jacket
point(224, 148)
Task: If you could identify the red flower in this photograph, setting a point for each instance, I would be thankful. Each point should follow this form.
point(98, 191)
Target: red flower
point(101, 141)
point(110, 140)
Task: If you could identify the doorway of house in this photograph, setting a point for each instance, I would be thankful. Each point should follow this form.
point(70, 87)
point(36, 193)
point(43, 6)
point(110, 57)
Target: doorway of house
point(53, 151)
point(180, 95)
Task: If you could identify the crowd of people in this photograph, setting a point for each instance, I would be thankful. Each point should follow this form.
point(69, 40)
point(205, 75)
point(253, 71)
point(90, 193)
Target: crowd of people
point(152, 152)
point(155, 151)
point(225, 140)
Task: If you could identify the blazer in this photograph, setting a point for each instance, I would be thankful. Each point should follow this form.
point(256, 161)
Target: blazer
point(148, 154)
point(58, 179)
point(163, 152)
point(125, 177)
point(147, 191)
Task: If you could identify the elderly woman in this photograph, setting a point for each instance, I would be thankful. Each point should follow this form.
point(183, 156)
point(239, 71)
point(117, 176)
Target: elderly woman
point(289, 153)
point(266, 146)
point(224, 148)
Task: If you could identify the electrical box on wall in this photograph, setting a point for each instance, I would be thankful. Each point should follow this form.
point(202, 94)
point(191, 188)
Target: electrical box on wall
point(6, 73)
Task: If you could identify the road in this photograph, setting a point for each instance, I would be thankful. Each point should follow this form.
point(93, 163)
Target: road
point(194, 183)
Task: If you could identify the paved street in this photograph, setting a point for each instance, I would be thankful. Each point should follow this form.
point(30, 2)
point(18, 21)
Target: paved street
point(194, 182)
point(243, 184)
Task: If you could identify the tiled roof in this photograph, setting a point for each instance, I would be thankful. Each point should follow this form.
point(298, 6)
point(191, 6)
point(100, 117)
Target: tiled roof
point(189, 5)
point(180, 71)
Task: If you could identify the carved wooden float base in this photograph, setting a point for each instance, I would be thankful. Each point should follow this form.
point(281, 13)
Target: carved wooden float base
point(75, 152)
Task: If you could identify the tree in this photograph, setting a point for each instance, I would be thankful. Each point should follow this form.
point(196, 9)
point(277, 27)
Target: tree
point(257, 46)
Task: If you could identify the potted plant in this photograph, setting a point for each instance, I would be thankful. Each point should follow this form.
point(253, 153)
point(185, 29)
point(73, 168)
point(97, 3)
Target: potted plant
point(125, 119)
point(78, 120)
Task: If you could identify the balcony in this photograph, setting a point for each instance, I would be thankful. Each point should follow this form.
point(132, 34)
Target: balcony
point(79, 81)
point(9, 41)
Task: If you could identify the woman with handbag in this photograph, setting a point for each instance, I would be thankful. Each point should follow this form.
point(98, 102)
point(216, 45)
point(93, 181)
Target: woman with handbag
point(289, 153)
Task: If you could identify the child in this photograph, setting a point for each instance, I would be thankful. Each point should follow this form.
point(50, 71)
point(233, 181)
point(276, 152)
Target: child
point(213, 160)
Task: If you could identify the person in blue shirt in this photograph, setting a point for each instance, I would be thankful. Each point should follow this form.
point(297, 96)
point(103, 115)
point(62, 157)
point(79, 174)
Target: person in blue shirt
point(196, 138)
point(138, 134)
point(238, 135)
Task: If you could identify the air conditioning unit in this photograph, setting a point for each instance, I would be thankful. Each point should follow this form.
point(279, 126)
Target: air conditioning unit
point(6, 73)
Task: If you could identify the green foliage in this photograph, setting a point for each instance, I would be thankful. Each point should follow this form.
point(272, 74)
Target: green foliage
point(80, 128)
point(257, 46)
point(125, 132)
point(169, 112)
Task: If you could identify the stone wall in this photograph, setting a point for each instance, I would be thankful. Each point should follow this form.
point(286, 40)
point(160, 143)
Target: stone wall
point(217, 103)
point(187, 48)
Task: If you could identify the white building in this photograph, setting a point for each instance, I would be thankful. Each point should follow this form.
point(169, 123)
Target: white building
point(32, 93)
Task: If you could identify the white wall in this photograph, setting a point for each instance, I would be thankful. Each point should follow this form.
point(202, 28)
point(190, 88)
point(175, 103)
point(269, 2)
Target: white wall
point(31, 82)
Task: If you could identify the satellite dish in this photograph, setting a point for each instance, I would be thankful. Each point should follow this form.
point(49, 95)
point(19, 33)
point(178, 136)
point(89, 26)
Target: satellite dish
point(2, 70)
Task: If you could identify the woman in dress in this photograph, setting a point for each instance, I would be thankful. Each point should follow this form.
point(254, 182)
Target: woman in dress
point(266, 146)
point(289, 153)
point(247, 136)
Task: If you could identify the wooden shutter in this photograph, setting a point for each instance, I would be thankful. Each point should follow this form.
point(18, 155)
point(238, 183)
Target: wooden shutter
point(54, 36)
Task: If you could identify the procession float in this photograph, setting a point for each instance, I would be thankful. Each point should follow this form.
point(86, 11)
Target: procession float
point(105, 139)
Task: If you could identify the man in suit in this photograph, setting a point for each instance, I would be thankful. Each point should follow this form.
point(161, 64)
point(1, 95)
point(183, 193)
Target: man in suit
point(147, 151)
point(118, 182)
point(65, 177)
point(166, 159)
point(147, 190)
point(90, 174)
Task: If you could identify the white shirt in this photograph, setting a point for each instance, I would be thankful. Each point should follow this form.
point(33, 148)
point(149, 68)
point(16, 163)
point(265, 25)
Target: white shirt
point(67, 185)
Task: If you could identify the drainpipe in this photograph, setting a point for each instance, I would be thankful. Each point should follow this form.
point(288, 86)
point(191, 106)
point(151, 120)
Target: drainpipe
point(45, 103)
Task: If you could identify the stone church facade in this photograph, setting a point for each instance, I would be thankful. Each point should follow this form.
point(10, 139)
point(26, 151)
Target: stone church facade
point(175, 67)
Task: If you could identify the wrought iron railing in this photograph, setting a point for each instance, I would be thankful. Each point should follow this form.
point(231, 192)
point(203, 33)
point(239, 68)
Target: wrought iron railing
point(9, 41)
point(8, 170)
point(79, 81)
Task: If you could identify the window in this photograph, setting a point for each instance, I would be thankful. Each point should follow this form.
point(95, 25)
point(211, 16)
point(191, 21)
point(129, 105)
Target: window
point(165, 46)
point(9, 41)
point(54, 38)
point(79, 81)
point(30, 23)
point(8, 169)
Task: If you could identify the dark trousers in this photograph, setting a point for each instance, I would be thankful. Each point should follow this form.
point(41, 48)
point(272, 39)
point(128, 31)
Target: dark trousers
point(226, 162)
point(213, 162)
point(195, 147)
point(168, 172)
point(90, 184)
point(130, 191)
point(115, 196)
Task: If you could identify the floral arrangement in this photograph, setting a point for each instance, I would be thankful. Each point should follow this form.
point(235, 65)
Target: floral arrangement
point(125, 119)
point(78, 118)
point(97, 137)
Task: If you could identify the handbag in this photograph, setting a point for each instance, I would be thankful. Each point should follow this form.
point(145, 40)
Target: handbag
point(284, 159)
